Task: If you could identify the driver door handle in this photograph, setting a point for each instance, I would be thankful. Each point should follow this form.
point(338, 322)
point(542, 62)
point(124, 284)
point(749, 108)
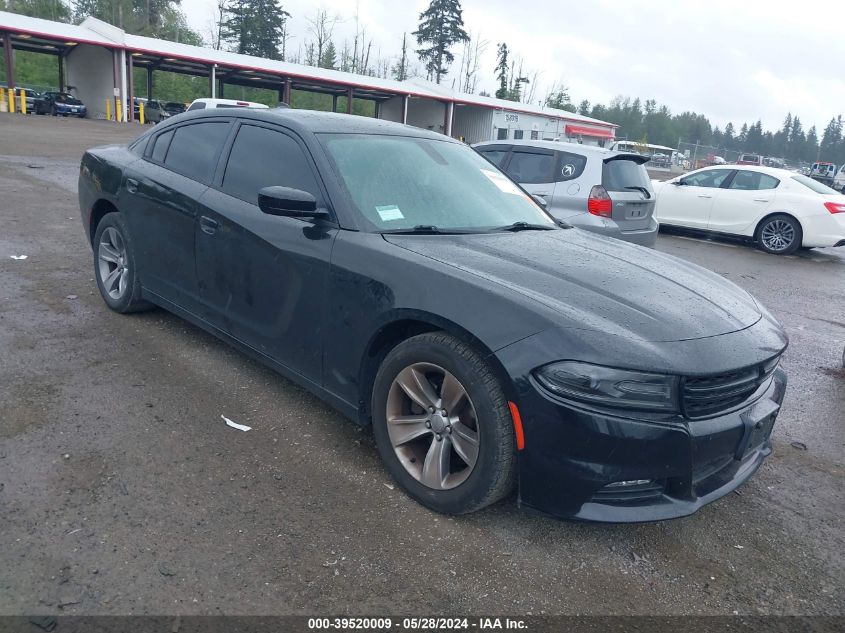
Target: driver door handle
point(208, 225)
point(761, 199)
point(704, 195)
point(131, 185)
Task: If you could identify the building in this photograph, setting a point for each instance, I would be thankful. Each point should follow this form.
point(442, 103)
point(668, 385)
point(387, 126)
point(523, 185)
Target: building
point(99, 62)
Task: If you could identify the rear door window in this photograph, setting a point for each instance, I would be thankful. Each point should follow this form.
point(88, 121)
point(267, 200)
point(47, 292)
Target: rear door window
point(753, 181)
point(195, 149)
point(162, 142)
point(532, 167)
point(624, 175)
point(570, 166)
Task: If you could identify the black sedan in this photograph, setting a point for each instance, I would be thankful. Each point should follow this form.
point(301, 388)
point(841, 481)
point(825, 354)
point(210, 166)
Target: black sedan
point(401, 277)
point(60, 104)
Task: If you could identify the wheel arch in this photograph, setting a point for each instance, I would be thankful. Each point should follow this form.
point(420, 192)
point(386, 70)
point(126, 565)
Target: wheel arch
point(403, 326)
point(99, 210)
point(771, 214)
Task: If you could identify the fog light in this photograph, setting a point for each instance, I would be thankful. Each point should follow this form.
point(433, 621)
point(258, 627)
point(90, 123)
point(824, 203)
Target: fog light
point(630, 482)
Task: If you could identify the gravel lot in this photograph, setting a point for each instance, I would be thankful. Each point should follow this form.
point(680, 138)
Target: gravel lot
point(123, 492)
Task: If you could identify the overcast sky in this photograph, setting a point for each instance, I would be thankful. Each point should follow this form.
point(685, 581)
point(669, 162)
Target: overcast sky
point(731, 60)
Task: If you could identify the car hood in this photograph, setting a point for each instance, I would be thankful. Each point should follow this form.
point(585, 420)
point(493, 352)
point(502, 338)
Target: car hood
point(598, 283)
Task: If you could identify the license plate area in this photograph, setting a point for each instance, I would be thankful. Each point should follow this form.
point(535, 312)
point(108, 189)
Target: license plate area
point(759, 421)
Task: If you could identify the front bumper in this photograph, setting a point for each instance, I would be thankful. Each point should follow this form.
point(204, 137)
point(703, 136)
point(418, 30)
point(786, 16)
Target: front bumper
point(671, 467)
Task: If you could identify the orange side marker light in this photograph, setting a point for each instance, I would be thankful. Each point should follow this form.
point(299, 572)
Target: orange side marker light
point(517, 426)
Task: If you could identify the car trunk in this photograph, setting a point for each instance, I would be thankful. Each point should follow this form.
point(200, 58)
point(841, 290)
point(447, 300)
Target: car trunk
point(626, 181)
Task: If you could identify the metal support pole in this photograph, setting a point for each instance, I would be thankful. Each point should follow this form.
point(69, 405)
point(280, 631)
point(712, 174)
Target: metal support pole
point(10, 61)
point(334, 103)
point(405, 110)
point(349, 101)
point(116, 81)
point(212, 80)
point(220, 90)
point(287, 91)
point(447, 121)
point(131, 83)
point(124, 92)
point(149, 82)
point(378, 109)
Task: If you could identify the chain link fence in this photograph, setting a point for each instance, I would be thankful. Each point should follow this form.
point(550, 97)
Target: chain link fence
point(695, 156)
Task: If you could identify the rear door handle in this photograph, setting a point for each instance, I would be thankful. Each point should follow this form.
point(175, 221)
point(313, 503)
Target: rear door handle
point(761, 199)
point(704, 195)
point(208, 225)
point(131, 185)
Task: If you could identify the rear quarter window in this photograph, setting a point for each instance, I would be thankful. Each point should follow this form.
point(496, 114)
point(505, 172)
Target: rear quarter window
point(624, 175)
point(570, 166)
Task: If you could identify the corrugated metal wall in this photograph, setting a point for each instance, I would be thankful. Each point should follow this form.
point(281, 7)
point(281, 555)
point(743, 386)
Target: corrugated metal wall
point(472, 123)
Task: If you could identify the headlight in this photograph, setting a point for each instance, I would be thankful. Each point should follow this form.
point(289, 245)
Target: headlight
point(610, 387)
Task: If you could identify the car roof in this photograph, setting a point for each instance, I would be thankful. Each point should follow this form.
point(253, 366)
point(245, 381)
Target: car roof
point(561, 146)
point(772, 171)
point(318, 122)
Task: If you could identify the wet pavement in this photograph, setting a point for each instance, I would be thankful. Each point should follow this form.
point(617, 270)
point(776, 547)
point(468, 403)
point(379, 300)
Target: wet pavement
point(123, 491)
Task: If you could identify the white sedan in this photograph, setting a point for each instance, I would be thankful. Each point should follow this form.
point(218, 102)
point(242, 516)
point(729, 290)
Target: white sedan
point(780, 210)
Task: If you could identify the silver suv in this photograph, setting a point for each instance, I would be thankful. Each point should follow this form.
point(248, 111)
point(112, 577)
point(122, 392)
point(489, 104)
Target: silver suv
point(589, 187)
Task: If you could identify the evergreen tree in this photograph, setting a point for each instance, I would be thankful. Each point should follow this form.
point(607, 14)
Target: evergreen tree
point(441, 27)
point(810, 150)
point(329, 59)
point(559, 98)
point(502, 71)
point(584, 108)
point(831, 139)
point(255, 27)
point(55, 10)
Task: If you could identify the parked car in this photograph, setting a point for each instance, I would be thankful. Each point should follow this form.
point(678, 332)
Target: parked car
point(592, 188)
point(825, 173)
point(153, 112)
point(749, 159)
point(60, 104)
point(172, 108)
point(31, 96)
point(839, 180)
point(659, 160)
point(201, 104)
point(411, 284)
point(778, 209)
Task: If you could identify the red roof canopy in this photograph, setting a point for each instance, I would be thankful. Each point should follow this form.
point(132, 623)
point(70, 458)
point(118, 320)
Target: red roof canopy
point(583, 130)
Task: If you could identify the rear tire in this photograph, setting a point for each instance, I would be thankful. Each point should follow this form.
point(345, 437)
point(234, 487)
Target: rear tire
point(115, 267)
point(453, 461)
point(779, 234)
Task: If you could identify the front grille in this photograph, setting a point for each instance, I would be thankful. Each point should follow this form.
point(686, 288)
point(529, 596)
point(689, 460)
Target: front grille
point(708, 395)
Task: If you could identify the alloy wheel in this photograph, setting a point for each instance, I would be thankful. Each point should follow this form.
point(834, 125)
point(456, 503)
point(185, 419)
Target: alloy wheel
point(777, 235)
point(432, 426)
point(113, 263)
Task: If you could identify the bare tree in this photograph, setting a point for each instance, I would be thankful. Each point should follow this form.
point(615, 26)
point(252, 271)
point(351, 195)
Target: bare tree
point(400, 69)
point(321, 26)
point(474, 48)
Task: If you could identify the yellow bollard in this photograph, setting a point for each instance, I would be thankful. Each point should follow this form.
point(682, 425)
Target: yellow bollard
point(3, 106)
point(108, 109)
point(11, 100)
point(118, 111)
point(23, 101)
point(141, 112)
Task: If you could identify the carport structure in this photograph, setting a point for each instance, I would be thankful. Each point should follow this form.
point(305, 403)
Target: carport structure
point(98, 61)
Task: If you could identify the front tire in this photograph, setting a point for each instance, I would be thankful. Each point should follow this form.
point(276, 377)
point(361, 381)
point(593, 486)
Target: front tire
point(115, 266)
point(779, 234)
point(442, 424)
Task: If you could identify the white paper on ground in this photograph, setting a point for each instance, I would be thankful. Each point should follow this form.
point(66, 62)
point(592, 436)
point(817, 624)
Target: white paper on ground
point(18, 256)
point(235, 425)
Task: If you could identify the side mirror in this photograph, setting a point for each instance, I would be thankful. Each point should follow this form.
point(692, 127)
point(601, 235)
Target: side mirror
point(288, 202)
point(539, 200)
point(678, 183)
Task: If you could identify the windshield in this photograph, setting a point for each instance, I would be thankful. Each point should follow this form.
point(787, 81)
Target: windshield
point(401, 182)
point(64, 97)
point(815, 185)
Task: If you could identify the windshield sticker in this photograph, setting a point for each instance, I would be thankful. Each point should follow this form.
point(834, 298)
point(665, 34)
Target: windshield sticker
point(389, 212)
point(502, 183)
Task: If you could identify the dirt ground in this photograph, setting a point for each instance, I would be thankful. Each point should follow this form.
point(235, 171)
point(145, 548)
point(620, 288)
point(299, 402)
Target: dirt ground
point(122, 491)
